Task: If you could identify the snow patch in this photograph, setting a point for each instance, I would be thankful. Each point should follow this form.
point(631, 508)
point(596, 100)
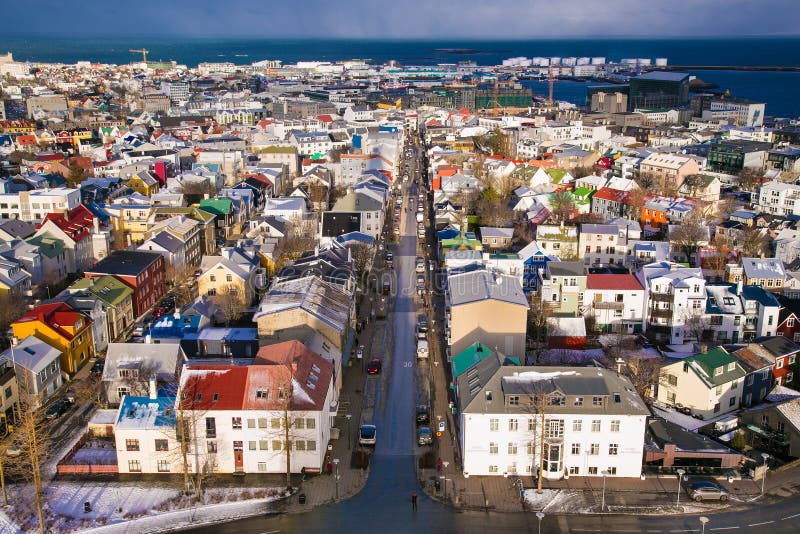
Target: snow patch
point(535, 376)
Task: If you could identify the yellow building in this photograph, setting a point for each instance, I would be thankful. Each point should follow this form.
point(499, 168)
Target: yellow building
point(144, 183)
point(131, 220)
point(61, 327)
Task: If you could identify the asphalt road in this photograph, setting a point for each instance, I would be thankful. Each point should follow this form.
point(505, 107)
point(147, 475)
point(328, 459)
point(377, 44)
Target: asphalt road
point(384, 505)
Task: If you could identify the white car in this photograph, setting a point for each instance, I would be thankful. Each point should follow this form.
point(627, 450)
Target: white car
point(420, 267)
point(368, 435)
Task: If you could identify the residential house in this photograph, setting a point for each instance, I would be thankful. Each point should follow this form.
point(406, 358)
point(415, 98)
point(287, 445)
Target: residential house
point(708, 383)
point(52, 256)
point(670, 445)
point(701, 186)
point(116, 298)
point(594, 424)
point(667, 172)
point(562, 287)
point(37, 370)
point(292, 209)
point(559, 241)
point(144, 183)
point(236, 271)
point(784, 353)
point(144, 272)
point(357, 211)
point(608, 203)
point(534, 260)
point(187, 231)
point(14, 280)
point(222, 209)
point(60, 326)
point(616, 301)
point(676, 301)
point(768, 273)
point(758, 363)
point(35, 205)
point(486, 307)
point(774, 427)
point(169, 246)
point(129, 367)
point(74, 230)
point(206, 227)
point(496, 238)
point(602, 244)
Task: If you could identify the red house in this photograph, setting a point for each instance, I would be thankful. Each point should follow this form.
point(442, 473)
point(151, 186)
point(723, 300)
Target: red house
point(144, 272)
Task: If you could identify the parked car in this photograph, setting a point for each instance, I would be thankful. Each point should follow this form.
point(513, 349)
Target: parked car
point(389, 256)
point(56, 410)
point(368, 435)
point(422, 414)
point(422, 323)
point(70, 396)
point(707, 491)
point(360, 352)
point(374, 366)
point(97, 367)
point(14, 451)
point(424, 436)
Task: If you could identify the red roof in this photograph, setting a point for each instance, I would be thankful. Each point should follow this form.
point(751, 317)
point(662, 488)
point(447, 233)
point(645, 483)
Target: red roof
point(55, 315)
point(614, 195)
point(325, 118)
point(77, 223)
point(620, 282)
point(288, 365)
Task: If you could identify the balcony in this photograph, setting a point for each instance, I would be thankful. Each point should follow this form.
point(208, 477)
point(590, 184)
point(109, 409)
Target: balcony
point(660, 313)
point(661, 297)
point(608, 305)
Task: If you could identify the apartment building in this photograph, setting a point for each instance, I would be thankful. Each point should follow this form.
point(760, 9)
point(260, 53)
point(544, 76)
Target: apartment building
point(35, 205)
point(676, 301)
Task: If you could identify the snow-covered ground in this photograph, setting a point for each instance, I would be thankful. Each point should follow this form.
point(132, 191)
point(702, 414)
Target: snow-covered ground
point(686, 421)
point(557, 501)
point(110, 501)
point(96, 451)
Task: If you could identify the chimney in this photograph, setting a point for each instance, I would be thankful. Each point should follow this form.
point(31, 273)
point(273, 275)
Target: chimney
point(148, 339)
point(619, 363)
point(739, 287)
point(703, 348)
point(96, 225)
point(153, 387)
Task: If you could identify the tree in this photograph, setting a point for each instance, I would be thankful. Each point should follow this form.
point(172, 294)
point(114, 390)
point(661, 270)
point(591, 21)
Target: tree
point(749, 179)
point(562, 205)
point(318, 195)
point(753, 242)
point(493, 210)
point(688, 236)
point(301, 237)
point(363, 256)
point(76, 175)
point(727, 206)
point(17, 156)
point(12, 307)
point(179, 279)
point(697, 326)
point(198, 188)
point(717, 257)
point(583, 171)
point(190, 426)
point(231, 303)
point(644, 375)
point(536, 331)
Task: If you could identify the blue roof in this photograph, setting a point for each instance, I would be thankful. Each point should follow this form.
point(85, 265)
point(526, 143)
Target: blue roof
point(358, 237)
point(168, 326)
point(144, 412)
point(764, 297)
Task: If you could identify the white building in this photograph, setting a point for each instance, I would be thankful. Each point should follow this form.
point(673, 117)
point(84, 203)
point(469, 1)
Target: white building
point(36, 204)
point(594, 422)
point(676, 300)
point(779, 198)
point(235, 417)
point(602, 243)
point(616, 301)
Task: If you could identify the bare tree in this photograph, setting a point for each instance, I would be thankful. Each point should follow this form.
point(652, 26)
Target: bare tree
point(12, 307)
point(363, 256)
point(231, 303)
point(727, 206)
point(688, 236)
point(753, 242)
point(198, 460)
point(198, 188)
point(644, 375)
point(493, 210)
point(750, 179)
point(717, 257)
point(318, 195)
point(179, 279)
point(697, 325)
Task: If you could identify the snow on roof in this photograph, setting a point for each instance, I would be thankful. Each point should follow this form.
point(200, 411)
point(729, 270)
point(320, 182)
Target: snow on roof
point(535, 376)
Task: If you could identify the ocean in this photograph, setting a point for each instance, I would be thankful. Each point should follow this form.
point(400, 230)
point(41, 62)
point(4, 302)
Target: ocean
point(777, 89)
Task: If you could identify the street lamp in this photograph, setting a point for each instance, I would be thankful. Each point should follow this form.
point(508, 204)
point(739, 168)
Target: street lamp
point(349, 438)
point(765, 456)
point(680, 472)
point(336, 465)
point(540, 516)
point(603, 500)
point(703, 520)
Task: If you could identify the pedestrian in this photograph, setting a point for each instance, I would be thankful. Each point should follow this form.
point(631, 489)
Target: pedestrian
point(414, 501)
point(439, 464)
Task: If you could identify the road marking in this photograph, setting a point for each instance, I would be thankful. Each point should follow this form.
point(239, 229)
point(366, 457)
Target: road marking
point(759, 524)
point(790, 517)
point(724, 528)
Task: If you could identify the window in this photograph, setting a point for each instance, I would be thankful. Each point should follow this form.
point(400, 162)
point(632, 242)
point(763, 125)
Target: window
point(163, 466)
point(613, 449)
point(619, 297)
point(262, 466)
point(696, 304)
point(578, 401)
point(262, 422)
point(672, 379)
point(789, 377)
point(311, 445)
point(311, 423)
point(513, 400)
point(597, 401)
point(263, 445)
point(121, 392)
point(275, 423)
point(554, 428)
point(615, 425)
point(596, 425)
point(251, 445)
point(531, 425)
point(493, 469)
point(134, 466)
point(131, 445)
point(576, 448)
point(211, 446)
point(556, 399)
point(162, 445)
point(718, 391)
point(494, 425)
point(300, 423)
point(779, 363)
point(211, 427)
point(251, 423)
point(236, 423)
point(529, 448)
point(611, 471)
point(592, 470)
point(512, 448)
point(276, 444)
point(262, 393)
point(573, 470)
point(792, 359)
point(513, 425)
point(212, 292)
point(577, 425)
point(493, 448)
point(732, 402)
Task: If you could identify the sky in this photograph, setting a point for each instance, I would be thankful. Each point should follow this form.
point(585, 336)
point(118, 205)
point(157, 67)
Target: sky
point(409, 19)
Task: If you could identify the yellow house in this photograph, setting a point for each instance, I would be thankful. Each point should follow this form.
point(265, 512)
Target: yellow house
point(130, 219)
point(61, 327)
point(235, 271)
point(144, 183)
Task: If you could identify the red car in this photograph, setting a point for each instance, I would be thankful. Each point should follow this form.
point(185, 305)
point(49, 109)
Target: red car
point(374, 366)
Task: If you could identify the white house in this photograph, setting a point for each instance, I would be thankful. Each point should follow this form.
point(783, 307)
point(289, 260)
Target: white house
point(676, 298)
point(290, 208)
point(37, 204)
point(616, 301)
point(594, 423)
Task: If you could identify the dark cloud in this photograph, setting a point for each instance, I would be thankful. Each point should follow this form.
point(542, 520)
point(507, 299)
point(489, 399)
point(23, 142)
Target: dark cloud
point(415, 19)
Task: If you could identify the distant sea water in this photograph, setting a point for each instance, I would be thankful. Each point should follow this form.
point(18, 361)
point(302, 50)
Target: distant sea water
point(781, 91)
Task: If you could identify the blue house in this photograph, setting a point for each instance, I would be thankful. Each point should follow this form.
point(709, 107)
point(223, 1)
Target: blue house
point(535, 260)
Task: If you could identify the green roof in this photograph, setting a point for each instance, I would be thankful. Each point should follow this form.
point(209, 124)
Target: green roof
point(582, 192)
point(106, 288)
point(556, 174)
point(217, 206)
point(461, 243)
point(48, 244)
point(714, 359)
point(468, 357)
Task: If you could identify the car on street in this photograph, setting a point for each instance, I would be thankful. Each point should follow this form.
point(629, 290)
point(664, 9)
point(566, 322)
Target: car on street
point(422, 323)
point(380, 246)
point(424, 436)
point(420, 265)
point(420, 280)
point(368, 435)
point(374, 366)
point(707, 491)
point(14, 451)
point(441, 426)
point(422, 415)
point(389, 256)
point(97, 367)
point(70, 396)
point(56, 410)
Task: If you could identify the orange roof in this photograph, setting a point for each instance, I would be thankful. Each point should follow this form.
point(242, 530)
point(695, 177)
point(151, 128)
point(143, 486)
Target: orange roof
point(55, 315)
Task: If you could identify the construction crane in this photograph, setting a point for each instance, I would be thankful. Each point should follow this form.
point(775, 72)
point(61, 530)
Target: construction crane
point(142, 51)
